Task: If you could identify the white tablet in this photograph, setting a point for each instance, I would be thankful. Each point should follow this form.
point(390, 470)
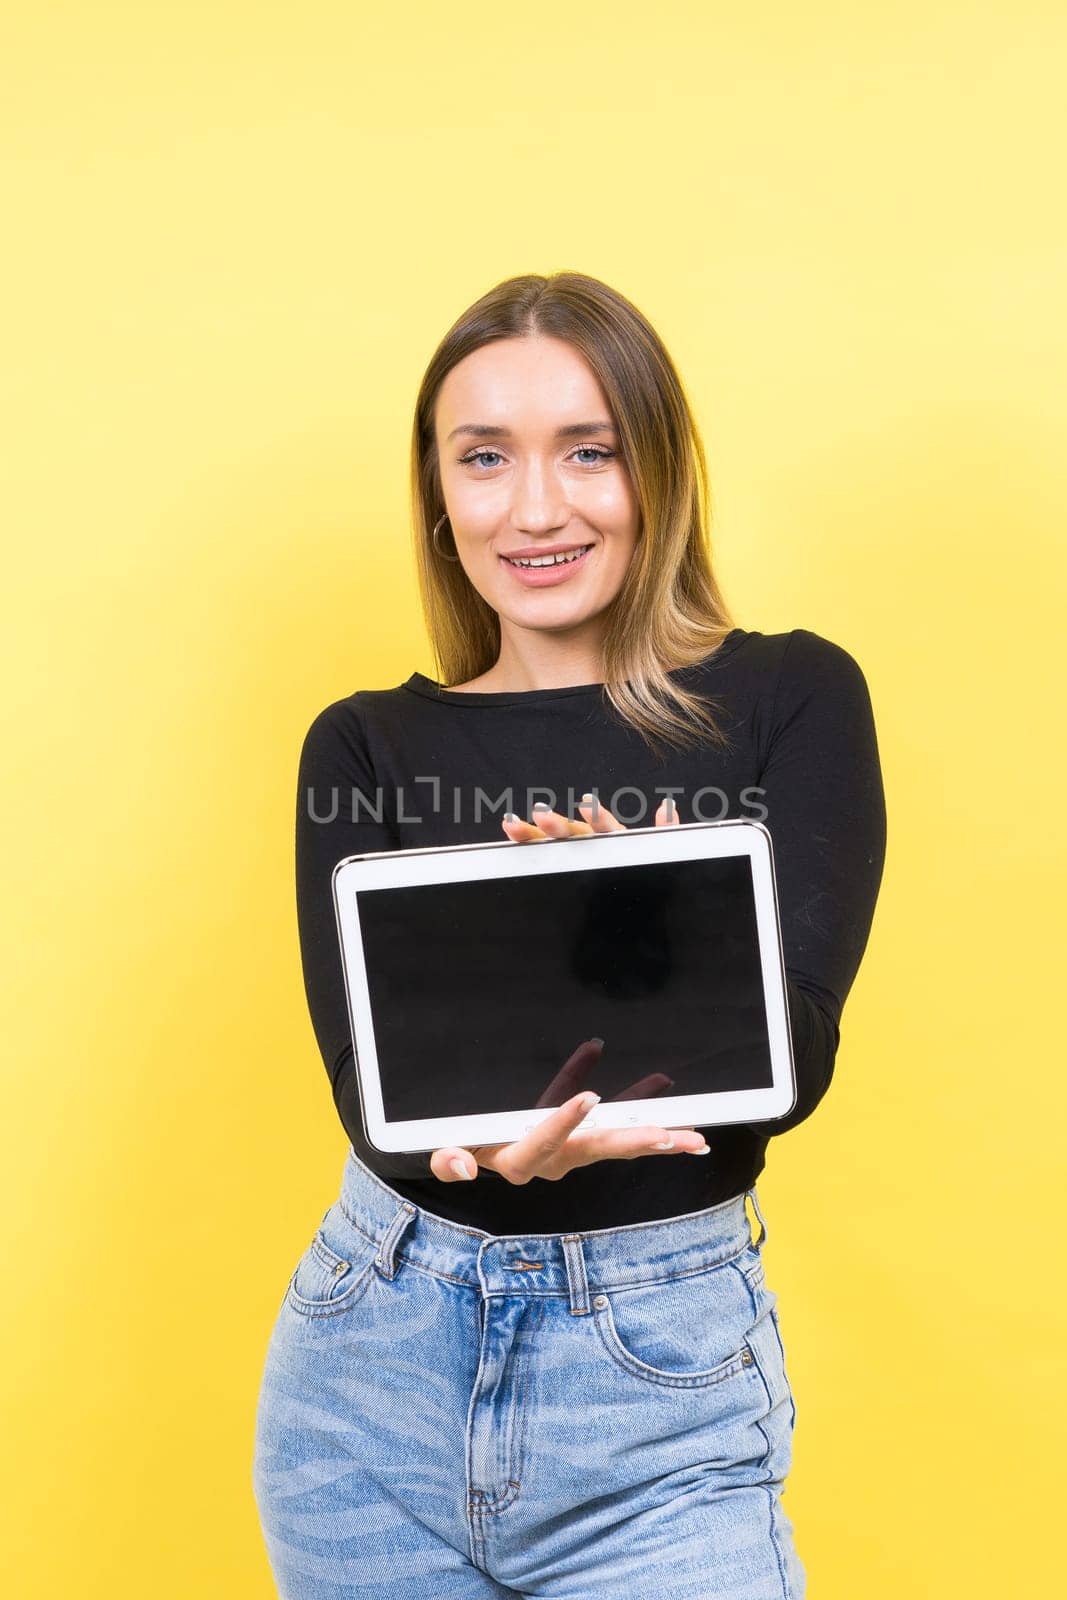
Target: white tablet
point(488, 983)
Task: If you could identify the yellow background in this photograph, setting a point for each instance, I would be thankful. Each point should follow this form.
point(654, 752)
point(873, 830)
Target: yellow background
point(234, 234)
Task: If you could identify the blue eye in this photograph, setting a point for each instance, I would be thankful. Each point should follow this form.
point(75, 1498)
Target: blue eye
point(598, 452)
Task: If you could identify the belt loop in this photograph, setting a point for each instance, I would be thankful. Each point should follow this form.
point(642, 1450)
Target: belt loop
point(762, 1225)
point(385, 1260)
point(577, 1281)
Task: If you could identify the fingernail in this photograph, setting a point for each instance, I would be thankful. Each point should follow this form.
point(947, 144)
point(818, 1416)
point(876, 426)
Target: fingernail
point(586, 798)
point(701, 1150)
point(541, 805)
point(588, 1101)
point(459, 1169)
point(509, 816)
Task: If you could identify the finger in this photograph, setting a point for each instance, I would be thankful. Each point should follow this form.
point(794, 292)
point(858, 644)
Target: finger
point(667, 812)
point(556, 825)
point(626, 1144)
point(522, 1160)
point(441, 1164)
point(600, 818)
point(518, 831)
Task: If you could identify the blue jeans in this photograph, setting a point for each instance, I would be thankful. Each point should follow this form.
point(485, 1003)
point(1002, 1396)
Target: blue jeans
point(446, 1412)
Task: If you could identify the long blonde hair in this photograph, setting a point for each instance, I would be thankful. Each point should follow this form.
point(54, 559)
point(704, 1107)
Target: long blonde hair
point(670, 611)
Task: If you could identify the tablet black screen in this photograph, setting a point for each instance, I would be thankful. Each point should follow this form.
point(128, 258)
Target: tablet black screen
point(481, 991)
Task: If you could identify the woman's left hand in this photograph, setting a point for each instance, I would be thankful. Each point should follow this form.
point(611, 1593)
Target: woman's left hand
point(554, 825)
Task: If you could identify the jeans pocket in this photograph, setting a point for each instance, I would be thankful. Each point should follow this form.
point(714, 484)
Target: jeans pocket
point(688, 1331)
point(334, 1271)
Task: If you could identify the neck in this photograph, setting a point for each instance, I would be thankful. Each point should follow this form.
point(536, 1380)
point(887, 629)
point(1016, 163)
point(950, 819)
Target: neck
point(535, 659)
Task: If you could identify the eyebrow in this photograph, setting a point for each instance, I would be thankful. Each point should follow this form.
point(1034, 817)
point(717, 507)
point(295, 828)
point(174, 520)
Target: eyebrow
point(484, 430)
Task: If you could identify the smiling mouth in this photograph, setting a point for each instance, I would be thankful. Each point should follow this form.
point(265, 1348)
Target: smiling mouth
point(545, 563)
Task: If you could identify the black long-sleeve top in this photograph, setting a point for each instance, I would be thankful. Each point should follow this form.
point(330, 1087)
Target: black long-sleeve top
point(419, 765)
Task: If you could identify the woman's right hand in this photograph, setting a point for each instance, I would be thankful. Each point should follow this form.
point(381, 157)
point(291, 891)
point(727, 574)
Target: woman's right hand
point(553, 1148)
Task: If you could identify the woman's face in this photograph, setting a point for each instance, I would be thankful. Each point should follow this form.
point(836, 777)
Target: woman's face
point(530, 466)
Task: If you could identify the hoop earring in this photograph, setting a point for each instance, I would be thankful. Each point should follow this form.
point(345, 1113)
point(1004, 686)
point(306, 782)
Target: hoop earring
point(433, 540)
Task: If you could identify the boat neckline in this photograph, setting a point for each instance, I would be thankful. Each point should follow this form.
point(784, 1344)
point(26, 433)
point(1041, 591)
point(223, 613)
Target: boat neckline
point(418, 683)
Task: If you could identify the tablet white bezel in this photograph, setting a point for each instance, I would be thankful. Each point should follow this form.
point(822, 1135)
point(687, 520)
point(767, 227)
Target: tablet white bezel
point(505, 859)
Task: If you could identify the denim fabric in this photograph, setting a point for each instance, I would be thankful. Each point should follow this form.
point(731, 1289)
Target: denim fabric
point(446, 1412)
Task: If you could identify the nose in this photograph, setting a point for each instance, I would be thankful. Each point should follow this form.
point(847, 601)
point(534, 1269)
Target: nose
point(540, 502)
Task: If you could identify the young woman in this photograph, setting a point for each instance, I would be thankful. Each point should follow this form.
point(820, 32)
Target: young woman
point(555, 1367)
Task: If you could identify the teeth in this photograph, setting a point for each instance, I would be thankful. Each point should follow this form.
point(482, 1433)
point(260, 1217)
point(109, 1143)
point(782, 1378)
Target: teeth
point(548, 561)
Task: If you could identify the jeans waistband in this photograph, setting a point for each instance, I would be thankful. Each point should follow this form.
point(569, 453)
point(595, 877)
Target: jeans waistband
point(575, 1263)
